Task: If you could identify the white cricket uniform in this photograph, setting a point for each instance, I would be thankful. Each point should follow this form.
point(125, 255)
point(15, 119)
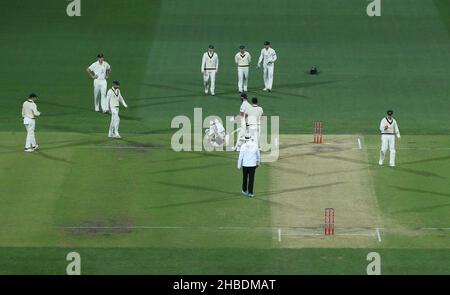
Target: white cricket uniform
point(388, 140)
point(268, 58)
point(100, 84)
point(254, 114)
point(210, 65)
point(243, 63)
point(114, 99)
point(243, 130)
point(29, 113)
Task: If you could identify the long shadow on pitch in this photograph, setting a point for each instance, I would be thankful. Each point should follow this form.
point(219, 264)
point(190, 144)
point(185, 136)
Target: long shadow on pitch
point(421, 191)
point(298, 189)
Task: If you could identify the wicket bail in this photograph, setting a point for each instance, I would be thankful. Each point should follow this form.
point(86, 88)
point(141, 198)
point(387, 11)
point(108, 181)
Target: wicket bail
point(317, 131)
point(329, 222)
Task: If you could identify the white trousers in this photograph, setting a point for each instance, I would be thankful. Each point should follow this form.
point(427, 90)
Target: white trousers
point(30, 125)
point(100, 88)
point(387, 141)
point(254, 132)
point(209, 76)
point(115, 120)
point(268, 76)
point(242, 79)
point(241, 134)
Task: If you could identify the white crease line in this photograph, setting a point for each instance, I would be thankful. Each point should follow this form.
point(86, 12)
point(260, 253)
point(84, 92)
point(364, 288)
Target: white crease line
point(279, 235)
point(359, 143)
point(118, 147)
point(378, 234)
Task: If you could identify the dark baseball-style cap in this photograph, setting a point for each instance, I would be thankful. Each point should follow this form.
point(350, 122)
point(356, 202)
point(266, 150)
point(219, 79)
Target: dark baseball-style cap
point(32, 95)
point(266, 43)
point(390, 112)
point(242, 47)
point(211, 46)
point(115, 82)
point(100, 55)
point(244, 95)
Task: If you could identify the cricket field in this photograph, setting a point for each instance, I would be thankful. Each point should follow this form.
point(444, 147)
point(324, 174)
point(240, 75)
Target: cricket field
point(135, 206)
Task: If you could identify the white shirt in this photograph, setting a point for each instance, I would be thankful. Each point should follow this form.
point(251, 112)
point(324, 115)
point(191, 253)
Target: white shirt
point(392, 127)
point(114, 98)
point(210, 61)
point(29, 110)
point(245, 106)
point(268, 56)
point(100, 69)
point(254, 114)
point(243, 60)
point(249, 155)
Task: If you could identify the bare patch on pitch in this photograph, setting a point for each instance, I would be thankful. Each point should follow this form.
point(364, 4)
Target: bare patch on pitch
point(100, 228)
point(310, 177)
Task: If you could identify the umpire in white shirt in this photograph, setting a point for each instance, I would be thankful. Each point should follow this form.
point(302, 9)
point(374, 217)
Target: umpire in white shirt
point(249, 160)
point(29, 114)
point(100, 71)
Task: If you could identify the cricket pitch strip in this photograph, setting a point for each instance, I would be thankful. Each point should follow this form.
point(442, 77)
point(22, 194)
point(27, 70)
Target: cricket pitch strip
point(310, 177)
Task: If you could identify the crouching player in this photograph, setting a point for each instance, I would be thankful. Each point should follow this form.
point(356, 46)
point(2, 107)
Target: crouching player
point(215, 135)
point(114, 99)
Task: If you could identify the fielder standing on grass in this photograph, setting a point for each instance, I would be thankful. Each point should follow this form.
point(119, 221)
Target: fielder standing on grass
point(249, 160)
point(114, 99)
point(254, 115)
point(29, 114)
point(389, 131)
point(242, 59)
point(268, 57)
point(209, 69)
point(241, 117)
point(100, 72)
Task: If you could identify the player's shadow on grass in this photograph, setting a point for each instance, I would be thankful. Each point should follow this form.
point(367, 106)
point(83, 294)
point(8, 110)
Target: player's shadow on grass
point(427, 192)
point(45, 155)
point(230, 195)
point(297, 189)
point(373, 165)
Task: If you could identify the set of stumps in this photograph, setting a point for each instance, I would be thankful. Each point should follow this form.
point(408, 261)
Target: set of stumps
point(328, 212)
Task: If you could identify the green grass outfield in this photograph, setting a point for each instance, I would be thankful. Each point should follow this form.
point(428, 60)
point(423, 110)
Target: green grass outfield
point(135, 206)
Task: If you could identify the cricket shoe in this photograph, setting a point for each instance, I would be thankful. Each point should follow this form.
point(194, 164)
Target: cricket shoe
point(380, 163)
point(250, 195)
point(264, 89)
point(28, 150)
point(213, 94)
point(117, 136)
point(245, 193)
point(34, 148)
point(206, 91)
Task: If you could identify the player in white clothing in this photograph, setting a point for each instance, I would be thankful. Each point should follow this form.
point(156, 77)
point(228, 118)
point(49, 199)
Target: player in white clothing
point(254, 115)
point(241, 117)
point(242, 59)
point(268, 57)
point(389, 131)
point(114, 99)
point(100, 72)
point(29, 114)
point(209, 69)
